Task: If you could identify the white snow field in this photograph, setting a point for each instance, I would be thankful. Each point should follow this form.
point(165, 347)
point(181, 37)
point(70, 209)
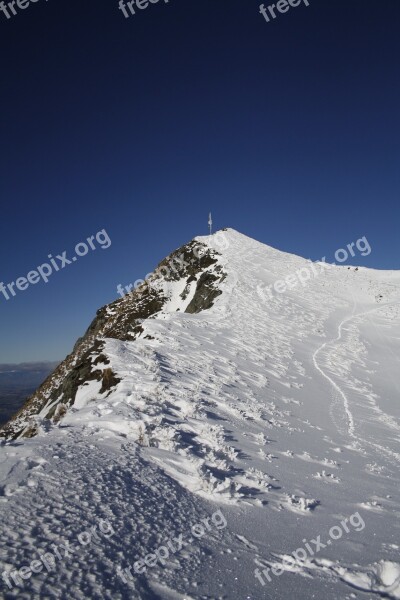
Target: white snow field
point(274, 418)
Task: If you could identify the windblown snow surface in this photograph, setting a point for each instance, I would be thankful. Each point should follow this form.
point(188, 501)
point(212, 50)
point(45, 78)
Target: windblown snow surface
point(272, 418)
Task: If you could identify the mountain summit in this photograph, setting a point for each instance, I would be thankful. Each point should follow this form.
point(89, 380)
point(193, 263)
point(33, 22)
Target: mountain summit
point(237, 378)
point(187, 281)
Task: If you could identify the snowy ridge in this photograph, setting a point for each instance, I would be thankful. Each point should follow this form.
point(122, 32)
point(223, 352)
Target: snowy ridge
point(284, 413)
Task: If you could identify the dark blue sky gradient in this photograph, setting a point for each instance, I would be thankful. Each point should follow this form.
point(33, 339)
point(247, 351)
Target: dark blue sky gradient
point(288, 131)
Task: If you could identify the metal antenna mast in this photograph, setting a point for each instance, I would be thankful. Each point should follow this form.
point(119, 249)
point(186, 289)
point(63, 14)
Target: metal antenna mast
point(210, 222)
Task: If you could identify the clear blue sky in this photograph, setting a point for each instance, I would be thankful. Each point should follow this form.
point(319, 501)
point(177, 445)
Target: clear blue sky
point(288, 131)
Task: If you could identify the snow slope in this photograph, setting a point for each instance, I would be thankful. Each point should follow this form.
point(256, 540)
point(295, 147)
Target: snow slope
point(275, 416)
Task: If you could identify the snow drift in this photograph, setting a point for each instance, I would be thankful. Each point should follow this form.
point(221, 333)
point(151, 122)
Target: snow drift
point(199, 392)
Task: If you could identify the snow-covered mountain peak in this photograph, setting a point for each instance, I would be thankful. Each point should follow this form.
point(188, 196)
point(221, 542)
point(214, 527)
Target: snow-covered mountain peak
point(228, 280)
point(241, 376)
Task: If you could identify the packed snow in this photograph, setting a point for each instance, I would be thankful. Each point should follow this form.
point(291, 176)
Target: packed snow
point(257, 442)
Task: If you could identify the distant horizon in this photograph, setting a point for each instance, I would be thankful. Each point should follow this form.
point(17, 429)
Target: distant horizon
point(30, 363)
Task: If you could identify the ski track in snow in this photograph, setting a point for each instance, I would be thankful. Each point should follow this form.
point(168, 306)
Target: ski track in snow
point(350, 417)
point(351, 427)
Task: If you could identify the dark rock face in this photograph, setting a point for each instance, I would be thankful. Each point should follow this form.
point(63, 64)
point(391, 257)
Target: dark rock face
point(121, 320)
point(206, 292)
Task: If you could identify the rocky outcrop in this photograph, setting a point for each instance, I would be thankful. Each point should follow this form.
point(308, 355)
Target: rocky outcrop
point(123, 320)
